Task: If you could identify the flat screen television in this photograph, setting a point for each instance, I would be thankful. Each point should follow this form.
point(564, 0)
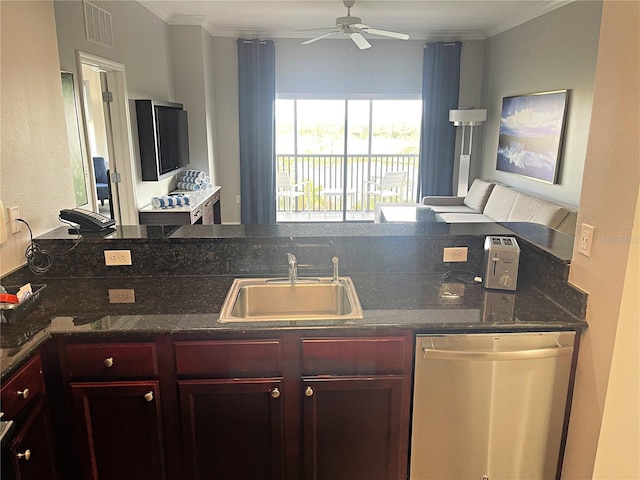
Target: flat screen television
point(163, 133)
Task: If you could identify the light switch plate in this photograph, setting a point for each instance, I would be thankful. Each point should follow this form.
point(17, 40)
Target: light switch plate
point(3, 225)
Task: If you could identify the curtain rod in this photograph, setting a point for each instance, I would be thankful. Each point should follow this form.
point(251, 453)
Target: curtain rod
point(450, 44)
point(262, 42)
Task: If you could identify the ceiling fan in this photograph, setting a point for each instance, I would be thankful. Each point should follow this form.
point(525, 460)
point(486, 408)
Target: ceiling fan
point(354, 28)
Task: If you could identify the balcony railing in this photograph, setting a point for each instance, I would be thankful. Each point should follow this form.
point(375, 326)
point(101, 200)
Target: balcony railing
point(328, 172)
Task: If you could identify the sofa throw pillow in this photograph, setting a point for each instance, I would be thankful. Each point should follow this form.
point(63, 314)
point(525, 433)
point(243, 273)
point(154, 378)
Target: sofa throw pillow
point(478, 195)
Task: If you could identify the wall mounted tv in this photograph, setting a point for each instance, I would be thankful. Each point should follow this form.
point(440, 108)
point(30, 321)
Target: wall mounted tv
point(163, 134)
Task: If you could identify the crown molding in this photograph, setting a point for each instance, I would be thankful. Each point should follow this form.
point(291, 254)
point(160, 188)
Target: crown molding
point(532, 13)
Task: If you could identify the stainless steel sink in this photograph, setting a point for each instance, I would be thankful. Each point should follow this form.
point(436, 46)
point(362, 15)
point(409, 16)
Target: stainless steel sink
point(269, 299)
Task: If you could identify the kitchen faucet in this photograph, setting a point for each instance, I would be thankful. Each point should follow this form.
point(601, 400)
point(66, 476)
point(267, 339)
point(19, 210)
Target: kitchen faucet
point(293, 268)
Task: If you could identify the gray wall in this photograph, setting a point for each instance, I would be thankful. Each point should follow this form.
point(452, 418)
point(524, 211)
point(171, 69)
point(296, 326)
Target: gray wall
point(556, 51)
point(326, 68)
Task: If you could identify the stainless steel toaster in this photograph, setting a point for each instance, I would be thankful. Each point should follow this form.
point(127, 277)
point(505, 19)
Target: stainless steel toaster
point(501, 259)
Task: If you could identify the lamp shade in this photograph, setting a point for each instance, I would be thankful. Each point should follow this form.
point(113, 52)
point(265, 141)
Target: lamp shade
point(467, 118)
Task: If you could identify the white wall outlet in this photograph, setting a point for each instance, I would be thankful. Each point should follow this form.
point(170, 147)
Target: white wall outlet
point(114, 258)
point(585, 240)
point(451, 291)
point(14, 214)
point(455, 254)
point(237, 198)
point(122, 295)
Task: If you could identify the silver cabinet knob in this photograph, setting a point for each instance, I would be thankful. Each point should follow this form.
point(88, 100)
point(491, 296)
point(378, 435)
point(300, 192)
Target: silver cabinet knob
point(275, 393)
point(26, 455)
point(148, 396)
point(23, 393)
point(308, 392)
point(108, 362)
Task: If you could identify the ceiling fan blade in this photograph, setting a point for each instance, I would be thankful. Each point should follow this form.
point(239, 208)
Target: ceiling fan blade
point(321, 37)
point(385, 33)
point(360, 41)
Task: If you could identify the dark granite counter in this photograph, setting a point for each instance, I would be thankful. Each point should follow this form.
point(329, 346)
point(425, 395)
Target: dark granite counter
point(181, 274)
point(190, 304)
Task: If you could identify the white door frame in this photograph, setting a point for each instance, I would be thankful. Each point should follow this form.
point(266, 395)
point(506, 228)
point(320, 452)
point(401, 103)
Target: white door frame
point(121, 128)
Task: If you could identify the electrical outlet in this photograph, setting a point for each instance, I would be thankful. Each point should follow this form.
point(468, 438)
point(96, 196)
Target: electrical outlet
point(237, 198)
point(455, 254)
point(452, 290)
point(122, 295)
point(585, 240)
point(117, 257)
point(14, 214)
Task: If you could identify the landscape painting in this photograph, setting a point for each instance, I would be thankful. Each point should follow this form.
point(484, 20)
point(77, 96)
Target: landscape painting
point(531, 131)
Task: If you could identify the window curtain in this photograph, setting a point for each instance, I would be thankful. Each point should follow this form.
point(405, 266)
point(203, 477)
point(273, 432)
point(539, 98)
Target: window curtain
point(440, 87)
point(256, 96)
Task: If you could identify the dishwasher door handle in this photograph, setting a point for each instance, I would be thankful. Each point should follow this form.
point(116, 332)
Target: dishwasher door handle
point(496, 356)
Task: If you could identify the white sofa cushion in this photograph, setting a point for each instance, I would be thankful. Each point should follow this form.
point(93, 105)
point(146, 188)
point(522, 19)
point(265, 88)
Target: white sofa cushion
point(464, 218)
point(451, 209)
point(478, 195)
point(500, 203)
point(537, 210)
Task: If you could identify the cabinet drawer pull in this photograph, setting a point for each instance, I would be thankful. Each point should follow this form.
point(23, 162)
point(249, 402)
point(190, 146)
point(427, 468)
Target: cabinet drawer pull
point(23, 393)
point(275, 393)
point(148, 396)
point(108, 362)
point(26, 455)
point(308, 392)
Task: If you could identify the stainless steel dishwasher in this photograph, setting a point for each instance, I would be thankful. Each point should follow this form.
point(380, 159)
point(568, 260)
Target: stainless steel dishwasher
point(489, 406)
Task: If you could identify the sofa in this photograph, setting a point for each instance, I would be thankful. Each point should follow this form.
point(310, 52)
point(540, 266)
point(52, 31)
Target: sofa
point(488, 201)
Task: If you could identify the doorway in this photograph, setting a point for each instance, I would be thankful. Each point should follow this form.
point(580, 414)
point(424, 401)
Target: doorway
point(108, 136)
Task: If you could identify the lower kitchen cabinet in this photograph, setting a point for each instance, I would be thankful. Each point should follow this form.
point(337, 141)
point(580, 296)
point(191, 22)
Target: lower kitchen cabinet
point(30, 454)
point(232, 428)
point(352, 428)
point(31, 450)
point(119, 428)
point(286, 407)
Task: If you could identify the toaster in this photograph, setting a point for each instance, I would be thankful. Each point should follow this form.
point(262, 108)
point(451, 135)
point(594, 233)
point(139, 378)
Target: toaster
point(501, 259)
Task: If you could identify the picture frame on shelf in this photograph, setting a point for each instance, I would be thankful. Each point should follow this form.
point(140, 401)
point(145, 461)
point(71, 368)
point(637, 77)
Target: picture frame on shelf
point(531, 134)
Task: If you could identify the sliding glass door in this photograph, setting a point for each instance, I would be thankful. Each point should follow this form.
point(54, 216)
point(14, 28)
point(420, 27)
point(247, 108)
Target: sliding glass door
point(331, 148)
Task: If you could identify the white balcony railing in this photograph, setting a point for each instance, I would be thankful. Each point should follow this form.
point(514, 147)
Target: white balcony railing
point(328, 172)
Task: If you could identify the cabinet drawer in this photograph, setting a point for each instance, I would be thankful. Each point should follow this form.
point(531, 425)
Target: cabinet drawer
point(110, 360)
point(22, 389)
point(327, 356)
point(224, 359)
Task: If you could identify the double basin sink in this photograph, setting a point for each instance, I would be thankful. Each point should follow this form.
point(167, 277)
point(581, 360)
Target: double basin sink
point(276, 299)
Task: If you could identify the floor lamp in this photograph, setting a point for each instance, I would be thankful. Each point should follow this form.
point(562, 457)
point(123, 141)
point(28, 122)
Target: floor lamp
point(466, 118)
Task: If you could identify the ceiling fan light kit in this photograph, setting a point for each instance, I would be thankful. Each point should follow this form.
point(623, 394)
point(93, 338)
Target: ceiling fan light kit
point(354, 28)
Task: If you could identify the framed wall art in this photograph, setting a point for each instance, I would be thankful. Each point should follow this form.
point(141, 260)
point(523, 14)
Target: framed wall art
point(531, 134)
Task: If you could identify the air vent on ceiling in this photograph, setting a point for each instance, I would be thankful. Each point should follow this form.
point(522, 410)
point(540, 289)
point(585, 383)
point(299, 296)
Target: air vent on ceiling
point(97, 23)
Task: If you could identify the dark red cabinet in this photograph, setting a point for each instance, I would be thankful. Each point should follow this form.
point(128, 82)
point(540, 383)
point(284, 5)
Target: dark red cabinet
point(31, 453)
point(232, 428)
point(353, 428)
point(119, 430)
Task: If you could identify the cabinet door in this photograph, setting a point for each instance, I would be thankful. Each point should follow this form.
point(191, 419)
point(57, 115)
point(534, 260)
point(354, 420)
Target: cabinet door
point(119, 430)
point(232, 428)
point(352, 428)
point(32, 448)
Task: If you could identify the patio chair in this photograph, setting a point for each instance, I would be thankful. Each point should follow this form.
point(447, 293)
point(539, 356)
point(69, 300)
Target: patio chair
point(285, 188)
point(389, 188)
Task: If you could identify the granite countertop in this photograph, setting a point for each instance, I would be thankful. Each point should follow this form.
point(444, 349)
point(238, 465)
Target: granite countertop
point(190, 304)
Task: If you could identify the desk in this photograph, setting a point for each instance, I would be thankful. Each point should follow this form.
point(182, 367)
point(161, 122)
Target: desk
point(206, 212)
point(338, 192)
